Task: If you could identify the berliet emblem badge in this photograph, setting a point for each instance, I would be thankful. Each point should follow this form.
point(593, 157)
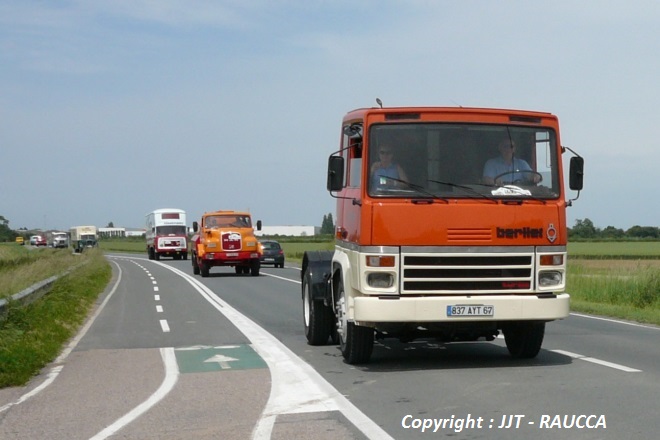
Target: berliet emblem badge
point(551, 233)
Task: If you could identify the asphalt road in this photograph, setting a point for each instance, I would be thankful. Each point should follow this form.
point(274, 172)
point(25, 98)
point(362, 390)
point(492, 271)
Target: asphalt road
point(170, 356)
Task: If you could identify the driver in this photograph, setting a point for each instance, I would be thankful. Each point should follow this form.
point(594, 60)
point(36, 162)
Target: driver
point(506, 168)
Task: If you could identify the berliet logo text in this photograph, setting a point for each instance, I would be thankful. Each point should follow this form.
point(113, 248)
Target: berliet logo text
point(525, 232)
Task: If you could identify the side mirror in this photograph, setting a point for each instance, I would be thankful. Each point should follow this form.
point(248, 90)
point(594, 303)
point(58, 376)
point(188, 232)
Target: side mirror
point(195, 226)
point(576, 173)
point(335, 173)
point(258, 225)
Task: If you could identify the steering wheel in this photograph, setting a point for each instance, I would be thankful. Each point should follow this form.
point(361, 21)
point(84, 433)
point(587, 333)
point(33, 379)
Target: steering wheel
point(520, 171)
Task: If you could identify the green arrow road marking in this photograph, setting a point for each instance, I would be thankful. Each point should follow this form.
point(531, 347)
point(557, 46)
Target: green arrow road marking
point(206, 359)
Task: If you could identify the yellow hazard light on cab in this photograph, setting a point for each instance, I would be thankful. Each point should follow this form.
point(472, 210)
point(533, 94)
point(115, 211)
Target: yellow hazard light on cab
point(380, 260)
point(552, 260)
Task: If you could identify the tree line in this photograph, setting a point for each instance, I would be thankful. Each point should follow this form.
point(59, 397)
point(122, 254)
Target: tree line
point(585, 229)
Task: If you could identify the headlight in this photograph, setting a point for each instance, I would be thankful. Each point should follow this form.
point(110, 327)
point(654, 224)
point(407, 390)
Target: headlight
point(547, 279)
point(380, 280)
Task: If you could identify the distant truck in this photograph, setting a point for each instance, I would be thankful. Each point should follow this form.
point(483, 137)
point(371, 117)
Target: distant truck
point(82, 237)
point(166, 234)
point(58, 240)
point(225, 238)
point(450, 225)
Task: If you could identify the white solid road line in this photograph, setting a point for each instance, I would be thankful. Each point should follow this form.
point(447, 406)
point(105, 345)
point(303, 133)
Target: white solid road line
point(171, 378)
point(617, 321)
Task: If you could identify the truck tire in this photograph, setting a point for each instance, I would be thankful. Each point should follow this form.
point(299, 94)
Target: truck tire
point(355, 342)
point(185, 255)
point(156, 256)
point(194, 265)
point(204, 269)
point(317, 317)
point(150, 252)
point(524, 339)
point(255, 265)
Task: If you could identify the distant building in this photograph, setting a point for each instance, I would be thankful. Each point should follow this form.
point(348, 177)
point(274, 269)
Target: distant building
point(295, 231)
point(112, 232)
point(135, 232)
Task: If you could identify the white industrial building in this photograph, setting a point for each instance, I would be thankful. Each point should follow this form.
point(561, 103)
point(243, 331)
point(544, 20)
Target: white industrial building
point(121, 232)
point(295, 231)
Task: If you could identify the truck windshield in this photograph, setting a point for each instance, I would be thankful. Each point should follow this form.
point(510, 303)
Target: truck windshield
point(224, 221)
point(171, 230)
point(449, 160)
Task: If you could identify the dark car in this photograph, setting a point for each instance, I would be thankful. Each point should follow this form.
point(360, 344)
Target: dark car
point(272, 253)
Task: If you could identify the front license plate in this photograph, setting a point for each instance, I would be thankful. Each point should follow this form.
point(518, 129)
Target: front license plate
point(232, 254)
point(269, 259)
point(470, 310)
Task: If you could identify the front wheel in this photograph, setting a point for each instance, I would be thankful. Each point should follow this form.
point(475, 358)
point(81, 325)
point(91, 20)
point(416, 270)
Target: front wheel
point(355, 342)
point(255, 265)
point(204, 268)
point(318, 318)
point(524, 339)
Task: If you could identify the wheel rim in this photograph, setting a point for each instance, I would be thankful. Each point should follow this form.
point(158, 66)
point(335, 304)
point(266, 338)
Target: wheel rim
point(306, 306)
point(342, 321)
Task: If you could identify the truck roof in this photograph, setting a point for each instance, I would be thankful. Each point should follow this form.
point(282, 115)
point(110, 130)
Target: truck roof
point(226, 213)
point(392, 114)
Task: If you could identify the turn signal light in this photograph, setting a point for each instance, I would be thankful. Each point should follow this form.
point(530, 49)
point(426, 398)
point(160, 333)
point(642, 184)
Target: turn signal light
point(552, 260)
point(380, 260)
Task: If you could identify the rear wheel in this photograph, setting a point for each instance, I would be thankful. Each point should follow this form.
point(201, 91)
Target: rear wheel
point(524, 339)
point(318, 318)
point(355, 342)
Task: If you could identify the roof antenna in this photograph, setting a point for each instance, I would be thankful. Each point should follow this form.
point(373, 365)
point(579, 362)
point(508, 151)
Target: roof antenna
point(379, 102)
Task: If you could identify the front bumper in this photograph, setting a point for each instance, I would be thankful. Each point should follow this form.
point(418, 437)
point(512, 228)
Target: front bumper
point(434, 308)
point(229, 258)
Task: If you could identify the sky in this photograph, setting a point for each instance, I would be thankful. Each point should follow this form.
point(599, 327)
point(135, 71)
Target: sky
point(110, 109)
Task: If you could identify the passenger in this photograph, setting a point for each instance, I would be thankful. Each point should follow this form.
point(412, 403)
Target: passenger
point(384, 171)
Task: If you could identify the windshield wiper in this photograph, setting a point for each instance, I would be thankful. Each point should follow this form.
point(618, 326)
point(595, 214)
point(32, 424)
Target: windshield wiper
point(465, 188)
point(418, 188)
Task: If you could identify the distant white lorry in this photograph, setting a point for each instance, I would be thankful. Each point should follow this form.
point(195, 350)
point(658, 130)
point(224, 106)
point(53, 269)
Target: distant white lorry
point(58, 239)
point(83, 237)
point(167, 234)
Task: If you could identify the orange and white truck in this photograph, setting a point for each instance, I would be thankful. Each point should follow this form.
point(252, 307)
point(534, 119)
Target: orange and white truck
point(166, 234)
point(450, 224)
point(225, 238)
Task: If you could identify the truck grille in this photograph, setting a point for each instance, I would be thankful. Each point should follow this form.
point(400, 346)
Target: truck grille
point(467, 273)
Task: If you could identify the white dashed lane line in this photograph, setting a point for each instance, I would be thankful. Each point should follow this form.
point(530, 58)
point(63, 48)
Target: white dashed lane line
point(597, 361)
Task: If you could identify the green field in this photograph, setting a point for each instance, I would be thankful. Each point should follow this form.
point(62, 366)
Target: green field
point(615, 249)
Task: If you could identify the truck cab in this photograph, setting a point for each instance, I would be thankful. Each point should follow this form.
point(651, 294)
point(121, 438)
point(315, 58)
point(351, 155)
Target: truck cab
point(225, 238)
point(450, 224)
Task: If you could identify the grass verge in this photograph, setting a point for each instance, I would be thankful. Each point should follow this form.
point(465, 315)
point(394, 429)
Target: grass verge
point(32, 336)
point(622, 289)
